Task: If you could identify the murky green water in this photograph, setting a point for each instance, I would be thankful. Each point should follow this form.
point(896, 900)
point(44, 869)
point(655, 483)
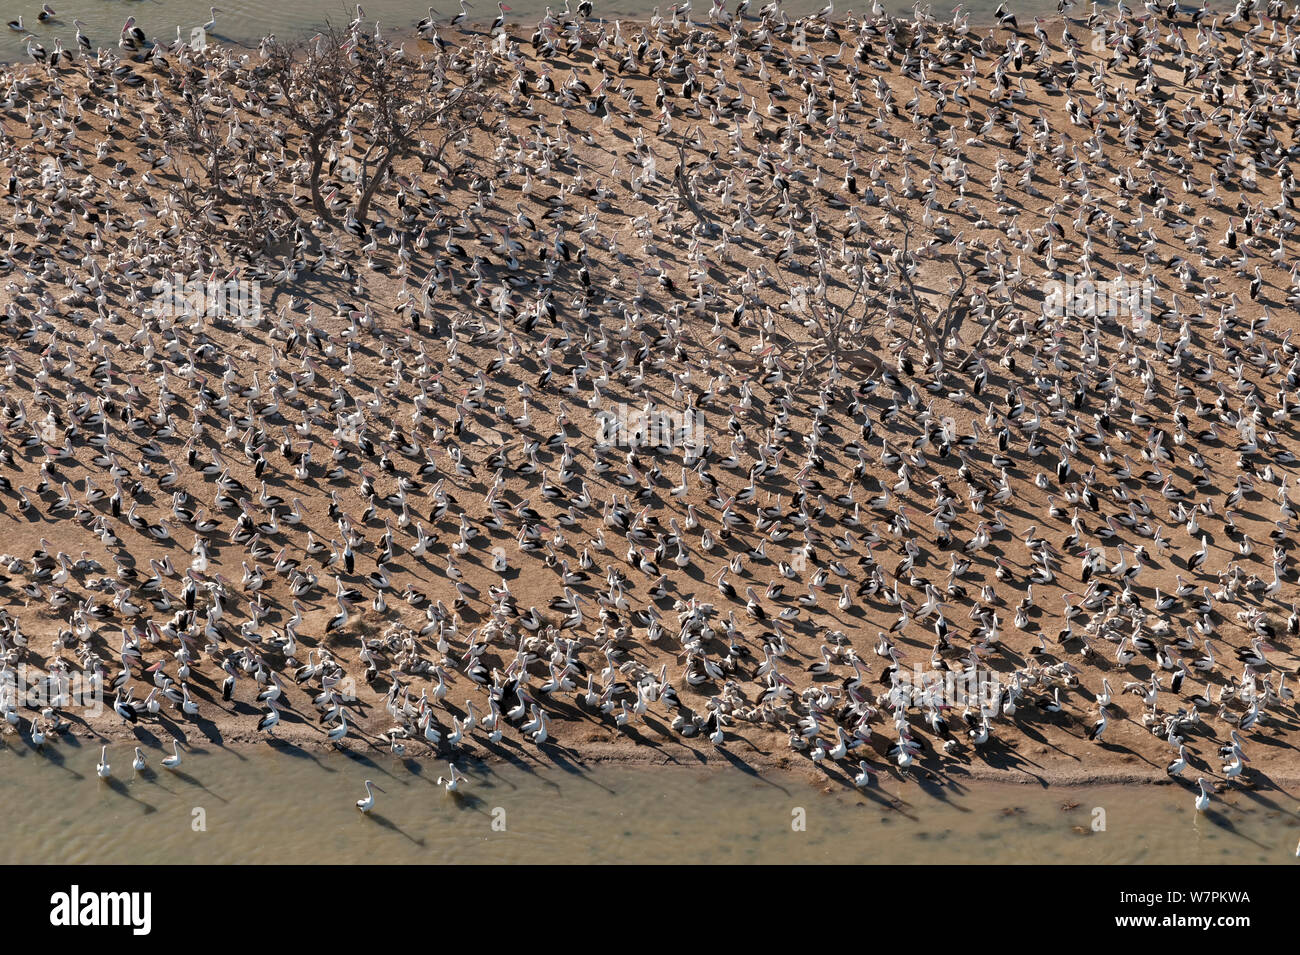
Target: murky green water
point(246, 21)
point(291, 807)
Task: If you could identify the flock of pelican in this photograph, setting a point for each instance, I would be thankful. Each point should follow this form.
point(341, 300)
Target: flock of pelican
point(399, 506)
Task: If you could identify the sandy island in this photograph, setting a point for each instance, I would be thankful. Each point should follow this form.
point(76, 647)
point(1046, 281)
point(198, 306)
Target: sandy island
point(765, 178)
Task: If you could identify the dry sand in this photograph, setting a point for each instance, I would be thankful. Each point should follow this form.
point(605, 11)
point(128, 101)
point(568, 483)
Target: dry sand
point(1031, 746)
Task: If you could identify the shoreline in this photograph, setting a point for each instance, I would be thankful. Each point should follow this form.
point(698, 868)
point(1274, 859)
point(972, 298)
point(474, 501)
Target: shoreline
point(519, 570)
point(736, 756)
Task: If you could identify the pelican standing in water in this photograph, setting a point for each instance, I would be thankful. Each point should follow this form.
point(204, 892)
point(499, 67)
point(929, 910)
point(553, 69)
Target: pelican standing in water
point(500, 22)
point(174, 760)
point(102, 769)
point(451, 782)
point(1203, 800)
point(367, 804)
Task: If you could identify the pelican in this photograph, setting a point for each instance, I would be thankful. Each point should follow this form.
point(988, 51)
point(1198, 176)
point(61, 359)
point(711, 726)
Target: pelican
point(1179, 763)
point(682, 401)
point(174, 760)
point(1203, 800)
point(452, 781)
point(368, 803)
point(498, 24)
point(1096, 730)
point(864, 775)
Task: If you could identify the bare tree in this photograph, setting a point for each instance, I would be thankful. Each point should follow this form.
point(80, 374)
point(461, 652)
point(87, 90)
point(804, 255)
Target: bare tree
point(937, 323)
point(847, 338)
point(316, 87)
point(213, 176)
point(686, 193)
point(342, 97)
point(406, 101)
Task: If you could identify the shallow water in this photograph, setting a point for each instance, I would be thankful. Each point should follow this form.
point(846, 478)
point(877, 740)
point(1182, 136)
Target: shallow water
point(246, 21)
point(293, 807)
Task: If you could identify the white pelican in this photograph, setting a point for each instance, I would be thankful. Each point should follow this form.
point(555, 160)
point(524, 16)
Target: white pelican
point(367, 804)
point(1203, 800)
point(451, 783)
point(102, 768)
point(173, 761)
point(1176, 767)
point(338, 732)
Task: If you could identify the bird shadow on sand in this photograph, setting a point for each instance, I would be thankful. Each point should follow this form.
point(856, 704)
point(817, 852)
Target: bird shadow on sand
point(211, 732)
point(998, 755)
